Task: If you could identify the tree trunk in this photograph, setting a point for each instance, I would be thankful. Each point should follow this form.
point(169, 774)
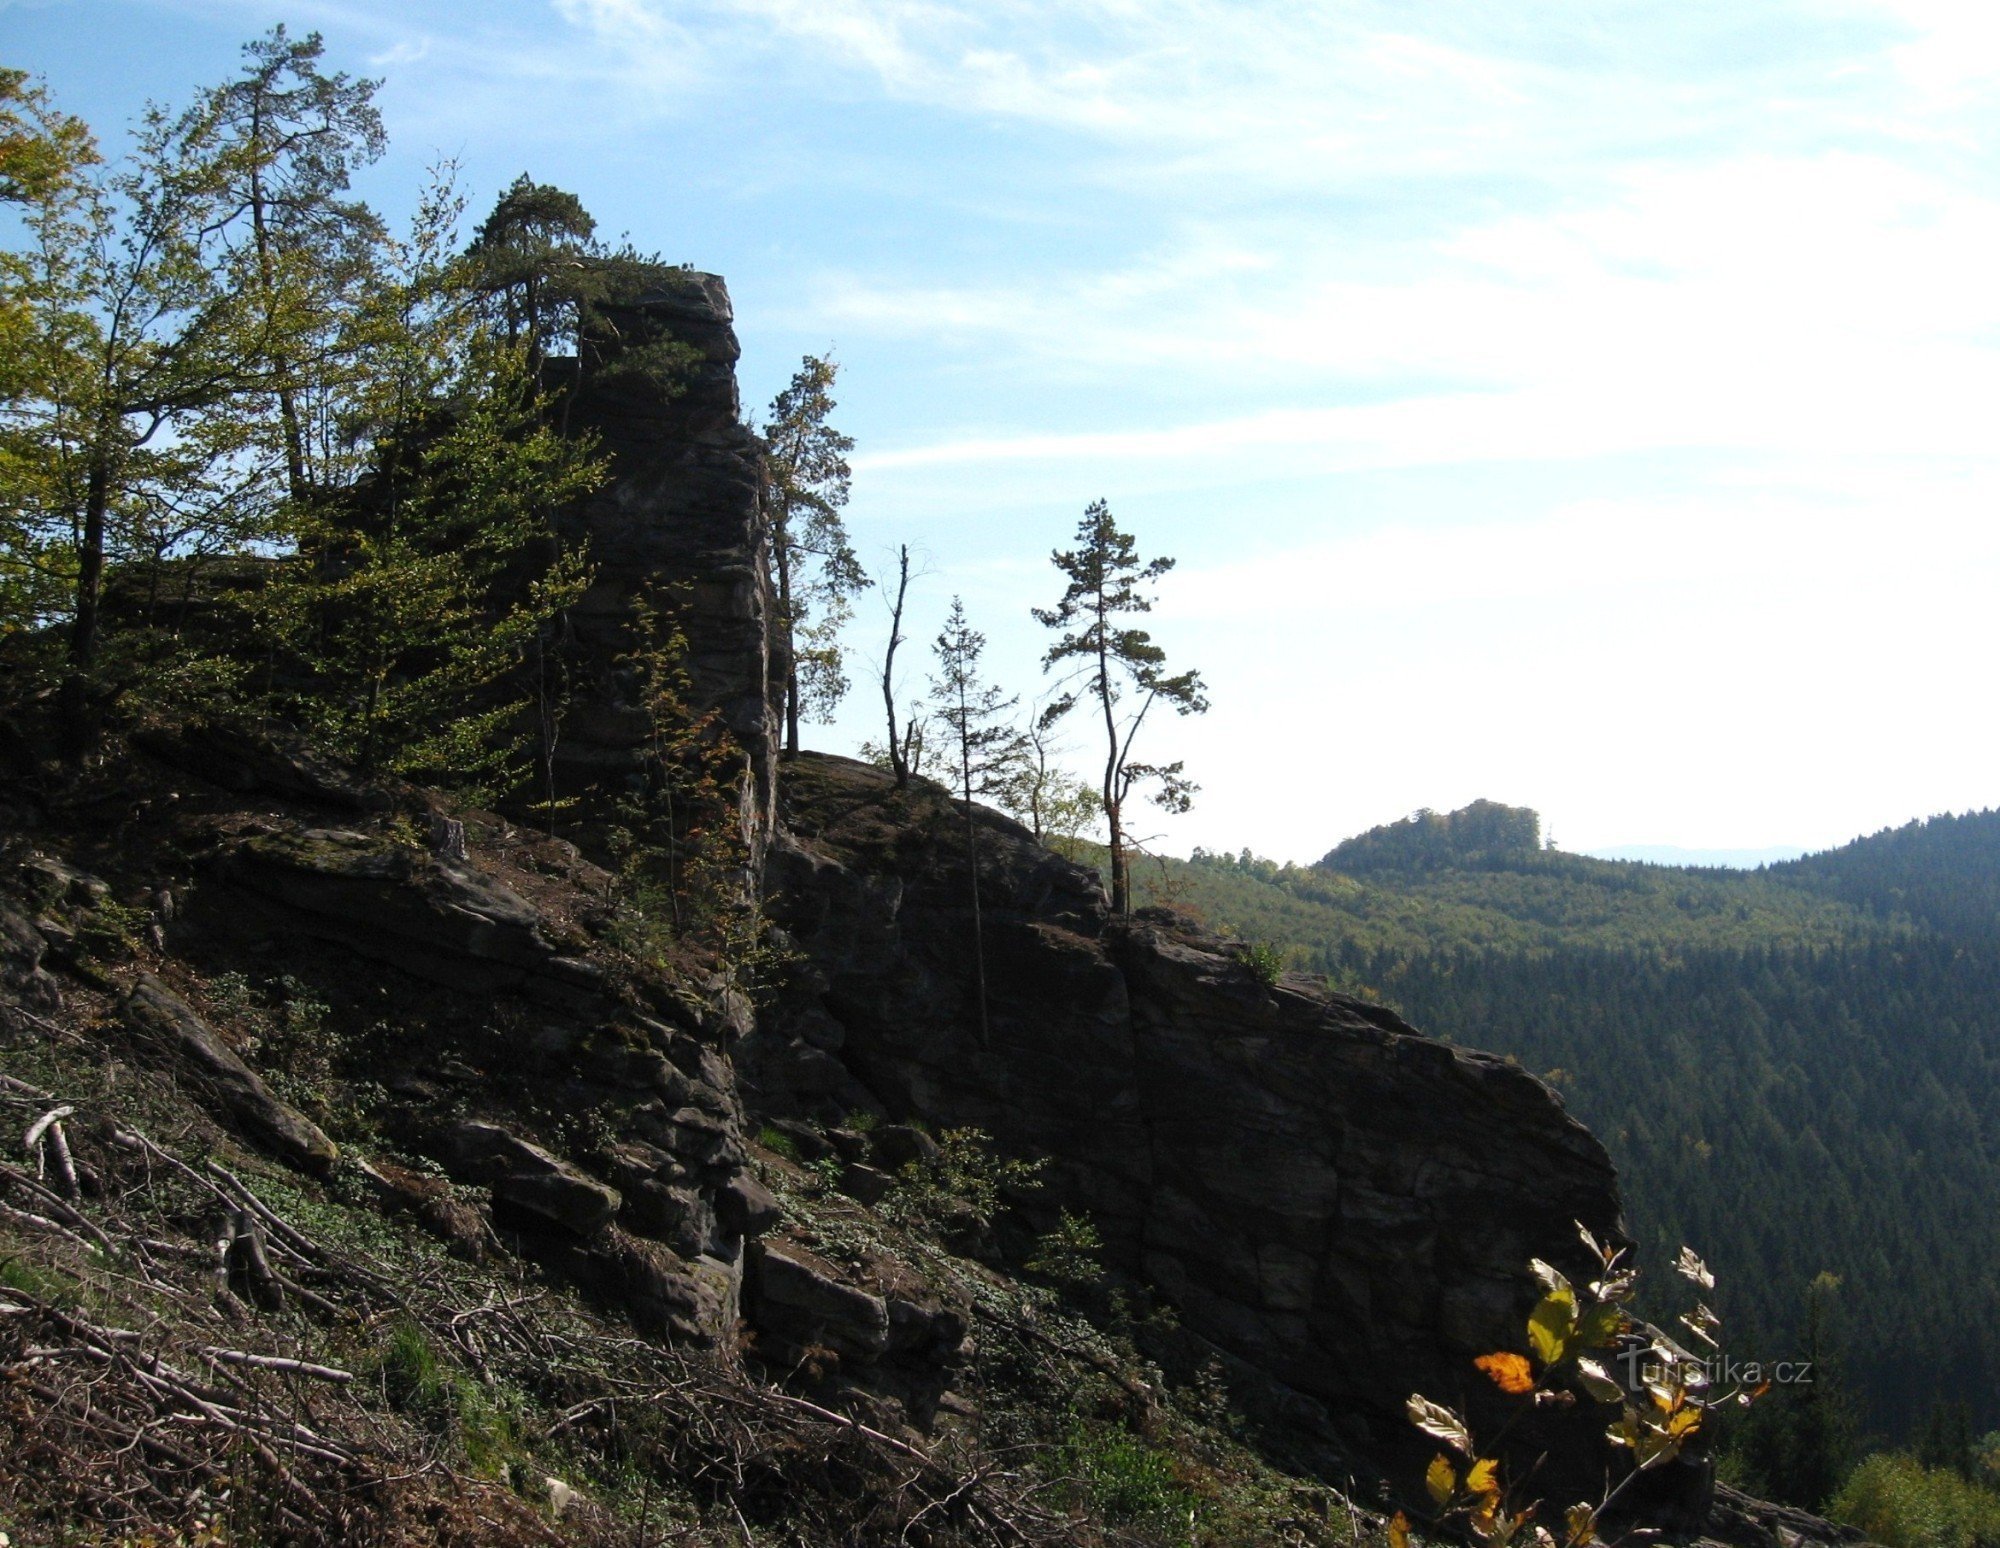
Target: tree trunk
point(781, 551)
point(1121, 899)
point(898, 762)
point(288, 408)
point(74, 703)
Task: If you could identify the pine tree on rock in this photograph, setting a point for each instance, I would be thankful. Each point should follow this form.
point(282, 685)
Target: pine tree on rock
point(987, 751)
point(1119, 670)
point(813, 567)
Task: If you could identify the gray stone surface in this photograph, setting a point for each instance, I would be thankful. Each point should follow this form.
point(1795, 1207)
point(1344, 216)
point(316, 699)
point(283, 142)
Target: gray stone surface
point(528, 1178)
point(167, 1022)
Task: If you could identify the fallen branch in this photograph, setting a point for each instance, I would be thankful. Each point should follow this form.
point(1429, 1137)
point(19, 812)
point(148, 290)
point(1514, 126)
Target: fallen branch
point(277, 1363)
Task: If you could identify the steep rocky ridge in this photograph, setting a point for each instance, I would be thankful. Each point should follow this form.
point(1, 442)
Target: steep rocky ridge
point(1341, 1203)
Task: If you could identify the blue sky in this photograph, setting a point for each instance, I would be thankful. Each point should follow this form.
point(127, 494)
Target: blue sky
point(1589, 407)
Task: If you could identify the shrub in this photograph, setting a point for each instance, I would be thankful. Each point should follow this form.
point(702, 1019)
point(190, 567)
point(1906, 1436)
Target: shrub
point(1266, 962)
point(1068, 1256)
point(1129, 1483)
point(962, 1185)
point(441, 1399)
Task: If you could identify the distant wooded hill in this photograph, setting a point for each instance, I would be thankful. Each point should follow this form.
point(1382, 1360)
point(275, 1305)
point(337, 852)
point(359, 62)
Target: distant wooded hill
point(1797, 1069)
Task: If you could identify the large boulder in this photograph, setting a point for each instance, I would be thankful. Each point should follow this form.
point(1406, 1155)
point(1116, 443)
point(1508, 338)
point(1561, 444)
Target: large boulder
point(525, 1177)
point(169, 1025)
point(439, 919)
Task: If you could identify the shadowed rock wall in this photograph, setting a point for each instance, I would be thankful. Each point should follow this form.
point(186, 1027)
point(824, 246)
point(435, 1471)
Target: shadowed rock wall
point(681, 518)
point(1324, 1192)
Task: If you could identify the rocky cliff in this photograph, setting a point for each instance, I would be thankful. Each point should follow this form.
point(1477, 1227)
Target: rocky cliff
point(364, 1000)
point(1338, 1201)
point(680, 528)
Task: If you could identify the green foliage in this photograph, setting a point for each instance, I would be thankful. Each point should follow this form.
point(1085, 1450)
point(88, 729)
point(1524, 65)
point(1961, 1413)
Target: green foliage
point(1129, 1483)
point(44, 1284)
point(110, 931)
point(545, 283)
point(1118, 669)
point(1266, 961)
point(1430, 840)
point(679, 838)
point(962, 1185)
point(813, 568)
point(826, 1173)
point(1896, 1500)
point(1572, 1333)
point(1069, 1256)
point(401, 598)
point(778, 1143)
point(1799, 1442)
point(1794, 1066)
point(420, 1383)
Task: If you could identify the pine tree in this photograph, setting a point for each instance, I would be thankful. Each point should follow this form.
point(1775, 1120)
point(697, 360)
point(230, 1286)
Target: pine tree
point(1119, 669)
point(813, 567)
point(530, 257)
point(986, 751)
point(548, 284)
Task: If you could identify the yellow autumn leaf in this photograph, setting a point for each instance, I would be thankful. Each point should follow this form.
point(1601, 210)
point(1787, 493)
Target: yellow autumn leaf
point(1582, 1523)
point(1441, 1479)
point(1399, 1531)
point(1483, 1478)
point(1509, 1372)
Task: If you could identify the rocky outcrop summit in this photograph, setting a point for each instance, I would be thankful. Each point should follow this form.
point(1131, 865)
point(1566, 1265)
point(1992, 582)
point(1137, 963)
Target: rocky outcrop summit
point(679, 530)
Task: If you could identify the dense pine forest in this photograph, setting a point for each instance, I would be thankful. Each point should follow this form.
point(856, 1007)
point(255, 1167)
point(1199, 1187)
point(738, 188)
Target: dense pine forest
point(1796, 1069)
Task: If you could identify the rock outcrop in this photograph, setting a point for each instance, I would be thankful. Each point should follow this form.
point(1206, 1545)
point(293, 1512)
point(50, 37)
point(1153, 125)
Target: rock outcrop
point(170, 1026)
point(1326, 1194)
point(678, 529)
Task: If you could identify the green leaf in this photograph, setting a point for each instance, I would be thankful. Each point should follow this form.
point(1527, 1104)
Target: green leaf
point(1598, 1382)
point(1552, 1325)
point(1600, 1325)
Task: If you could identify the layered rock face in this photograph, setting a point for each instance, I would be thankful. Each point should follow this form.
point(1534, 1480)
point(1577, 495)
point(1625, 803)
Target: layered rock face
point(679, 526)
point(1325, 1193)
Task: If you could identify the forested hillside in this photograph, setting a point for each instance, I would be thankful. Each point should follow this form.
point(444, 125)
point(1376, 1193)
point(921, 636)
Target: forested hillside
point(1796, 1069)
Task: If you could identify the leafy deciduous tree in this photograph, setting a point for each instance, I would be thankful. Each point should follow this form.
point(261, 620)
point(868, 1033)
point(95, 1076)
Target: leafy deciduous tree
point(127, 434)
point(395, 597)
point(295, 135)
